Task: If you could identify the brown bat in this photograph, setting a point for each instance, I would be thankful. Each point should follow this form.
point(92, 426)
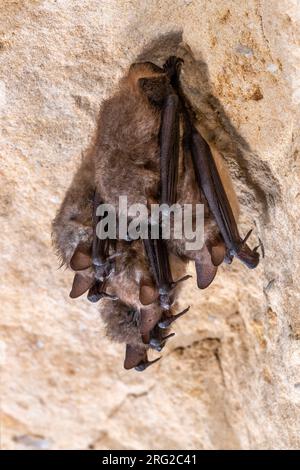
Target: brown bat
point(130, 297)
point(129, 151)
point(139, 153)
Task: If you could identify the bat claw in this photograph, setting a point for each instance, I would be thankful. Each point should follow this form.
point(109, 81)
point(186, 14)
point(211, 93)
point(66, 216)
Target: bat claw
point(228, 258)
point(103, 271)
point(182, 279)
point(164, 301)
point(145, 364)
point(166, 291)
point(97, 293)
point(166, 323)
point(158, 344)
point(260, 245)
point(246, 237)
point(94, 297)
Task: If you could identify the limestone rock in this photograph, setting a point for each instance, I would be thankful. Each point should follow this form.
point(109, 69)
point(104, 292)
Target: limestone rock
point(231, 378)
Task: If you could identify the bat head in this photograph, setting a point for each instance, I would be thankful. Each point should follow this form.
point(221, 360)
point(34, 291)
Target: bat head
point(144, 69)
point(150, 80)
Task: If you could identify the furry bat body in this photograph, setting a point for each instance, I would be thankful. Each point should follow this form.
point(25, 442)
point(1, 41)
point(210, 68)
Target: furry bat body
point(121, 308)
point(139, 153)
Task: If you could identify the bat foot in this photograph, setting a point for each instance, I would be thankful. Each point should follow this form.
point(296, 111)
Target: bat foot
point(164, 301)
point(165, 293)
point(159, 344)
point(96, 293)
point(228, 258)
point(104, 270)
point(249, 257)
point(166, 323)
point(94, 297)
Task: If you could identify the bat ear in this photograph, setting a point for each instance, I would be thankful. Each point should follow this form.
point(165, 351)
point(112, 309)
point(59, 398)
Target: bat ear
point(155, 88)
point(81, 284)
point(80, 260)
point(148, 293)
point(205, 269)
point(149, 318)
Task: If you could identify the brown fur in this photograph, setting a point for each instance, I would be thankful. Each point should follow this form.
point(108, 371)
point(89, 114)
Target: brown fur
point(124, 160)
point(127, 143)
point(73, 223)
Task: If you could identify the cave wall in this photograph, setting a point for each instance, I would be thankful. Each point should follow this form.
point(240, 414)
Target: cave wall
point(231, 377)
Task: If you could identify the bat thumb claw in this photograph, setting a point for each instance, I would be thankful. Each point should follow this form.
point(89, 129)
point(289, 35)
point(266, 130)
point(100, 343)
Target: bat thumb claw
point(247, 236)
point(166, 323)
point(260, 245)
point(182, 279)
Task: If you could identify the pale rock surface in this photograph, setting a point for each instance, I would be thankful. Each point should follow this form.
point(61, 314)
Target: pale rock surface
point(231, 377)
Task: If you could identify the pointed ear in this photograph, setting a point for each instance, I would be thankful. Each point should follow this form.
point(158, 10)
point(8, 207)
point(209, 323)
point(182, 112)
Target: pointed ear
point(148, 293)
point(81, 259)
point(205, 269)
point(81, 284)
point(155, 88)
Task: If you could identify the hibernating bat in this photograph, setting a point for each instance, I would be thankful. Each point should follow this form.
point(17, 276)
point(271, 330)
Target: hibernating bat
point(129, 297)
point(147, 148)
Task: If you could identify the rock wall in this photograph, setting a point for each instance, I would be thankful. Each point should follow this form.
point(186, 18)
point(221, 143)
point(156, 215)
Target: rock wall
point(231, 378)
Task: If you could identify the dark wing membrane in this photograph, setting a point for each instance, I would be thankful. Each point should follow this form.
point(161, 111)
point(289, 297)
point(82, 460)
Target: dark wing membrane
point(205, 269)
point(80, 260)
point(134, 356)
point(210, 182)
point(169, 149)
point(149, 318)
point(217, 251)
point(81, 284)
point(158, 256)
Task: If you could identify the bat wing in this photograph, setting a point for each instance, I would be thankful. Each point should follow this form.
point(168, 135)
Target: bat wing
point(158, 257)
point(134, 356)
point(169, 149)
point(209, 180)
point(81, 284)
point(217, 251)
point(149, 318)
point(210, 183)
point(148, 293)
point(80, 260)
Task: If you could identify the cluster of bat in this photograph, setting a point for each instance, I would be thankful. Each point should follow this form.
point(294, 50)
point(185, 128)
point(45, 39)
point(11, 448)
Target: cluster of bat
point(148, 148)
